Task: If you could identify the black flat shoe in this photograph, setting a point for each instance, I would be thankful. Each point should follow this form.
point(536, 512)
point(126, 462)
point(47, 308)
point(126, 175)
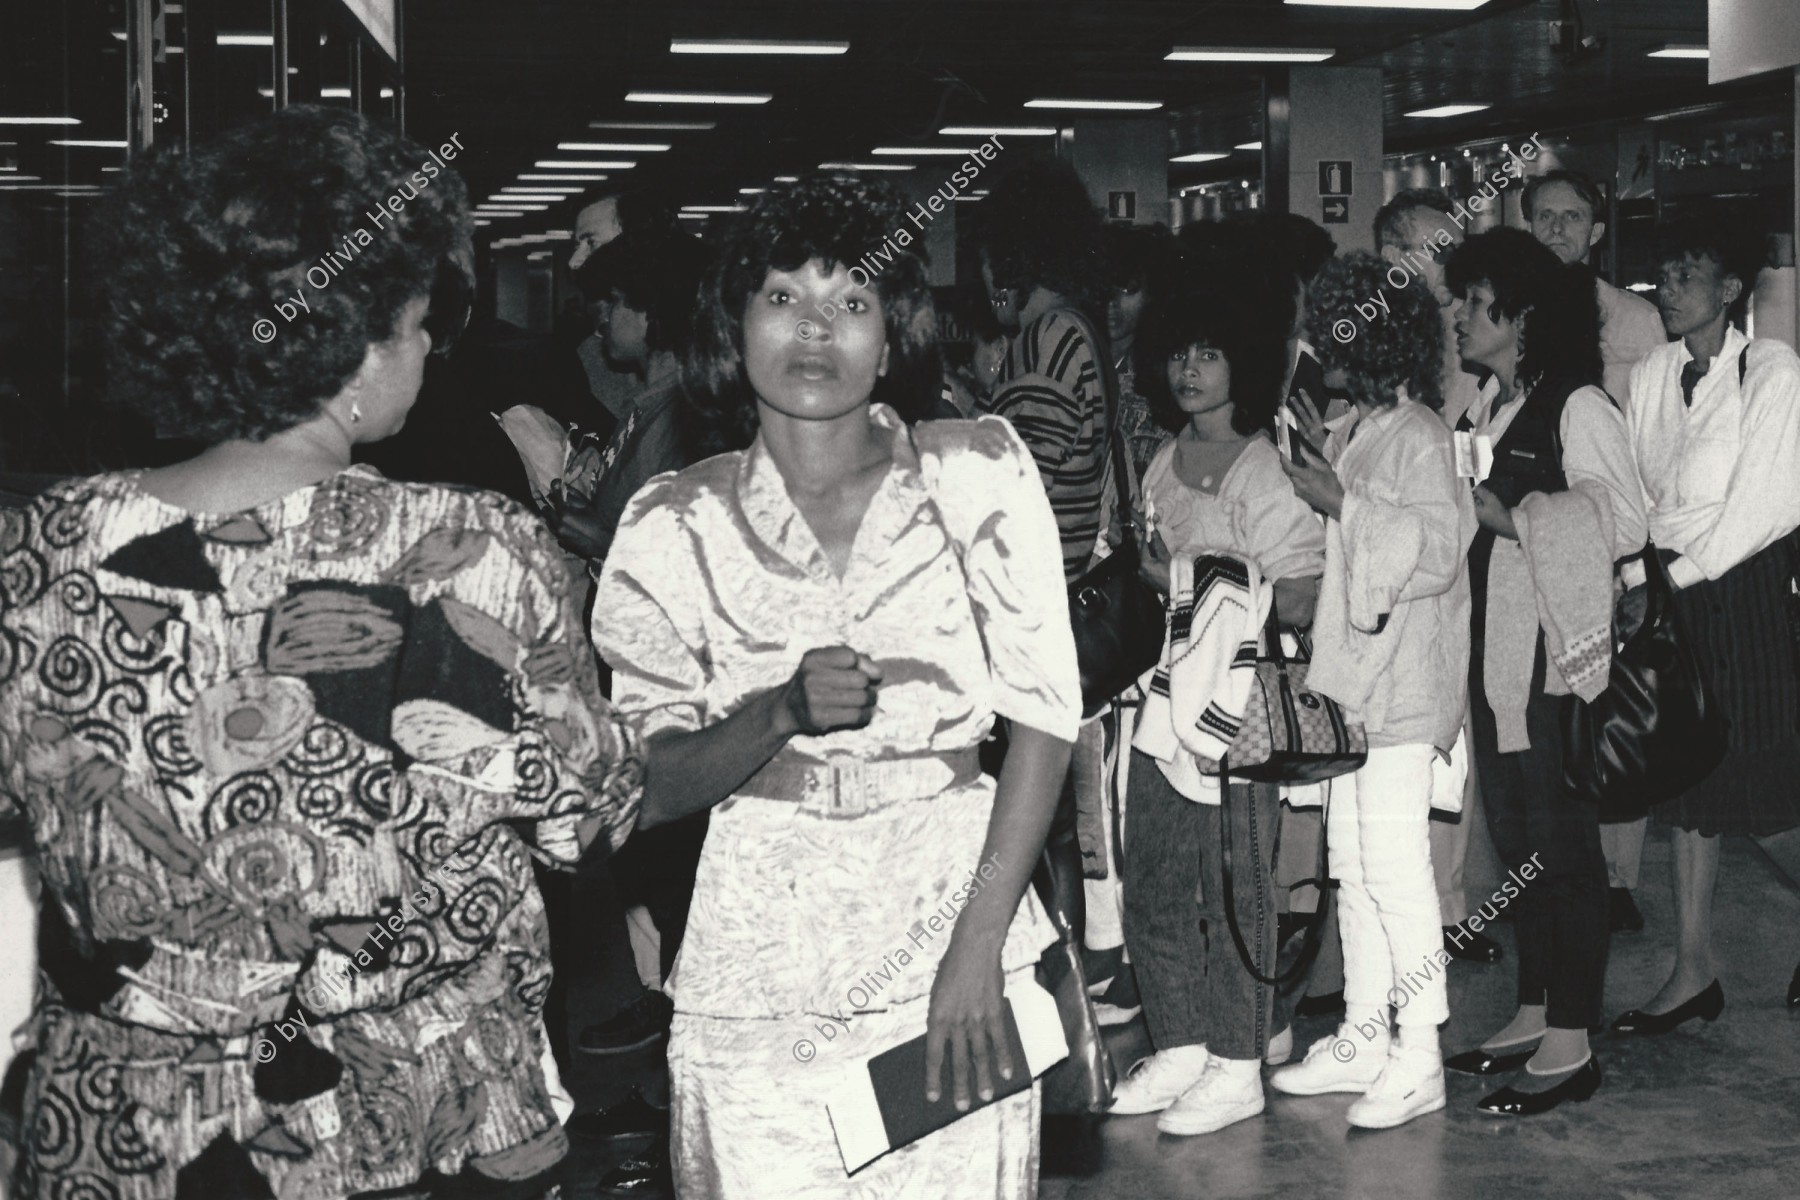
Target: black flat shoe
point(1332, 1003)
point(632, 1117)
point(1469, 946)
point(1707, 1006)
point(648, 1175)
point(1489, 1062)
point(1509, 1102)
point(1622, 914)
point(1794, 990)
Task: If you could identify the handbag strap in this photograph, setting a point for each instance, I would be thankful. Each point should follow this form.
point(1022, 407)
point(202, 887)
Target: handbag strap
point(1315, 925)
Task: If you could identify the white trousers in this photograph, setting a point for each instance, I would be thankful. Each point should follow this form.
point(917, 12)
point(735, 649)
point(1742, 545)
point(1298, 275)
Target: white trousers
point(1388, 917)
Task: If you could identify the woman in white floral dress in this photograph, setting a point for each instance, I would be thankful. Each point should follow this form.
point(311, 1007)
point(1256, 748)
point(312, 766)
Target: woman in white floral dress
point(817, 632)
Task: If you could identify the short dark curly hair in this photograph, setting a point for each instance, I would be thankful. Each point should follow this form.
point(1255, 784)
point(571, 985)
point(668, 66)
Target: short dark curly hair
point(1039, 228)
point(658, 273)
point(1209, 312)
point(1560, 310)
point(1379, 349)
point(834, 218)
point(199, 254)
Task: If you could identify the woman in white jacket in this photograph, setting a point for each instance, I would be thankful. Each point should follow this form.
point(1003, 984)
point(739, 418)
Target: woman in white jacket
point(1391, 644)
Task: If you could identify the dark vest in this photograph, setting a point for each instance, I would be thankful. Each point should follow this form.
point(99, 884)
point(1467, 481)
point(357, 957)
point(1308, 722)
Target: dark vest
point(1527, 458)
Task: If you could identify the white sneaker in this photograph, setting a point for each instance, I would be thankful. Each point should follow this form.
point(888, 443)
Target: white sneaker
point(1225, 1095)
point(1156, 1082)
point(1411, 1085)
point(1281, 1047)
point(1338, 1062)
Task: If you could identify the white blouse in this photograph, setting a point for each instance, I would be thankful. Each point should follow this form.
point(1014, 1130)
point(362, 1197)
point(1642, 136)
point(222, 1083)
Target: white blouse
point(1723, 476)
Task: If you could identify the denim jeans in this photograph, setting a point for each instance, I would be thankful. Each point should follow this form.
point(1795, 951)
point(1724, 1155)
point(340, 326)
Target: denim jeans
point(1194, 985)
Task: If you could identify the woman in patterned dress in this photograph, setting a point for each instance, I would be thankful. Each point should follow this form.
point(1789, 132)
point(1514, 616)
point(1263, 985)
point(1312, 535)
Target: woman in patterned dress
point(817, 632)
point(289, 735)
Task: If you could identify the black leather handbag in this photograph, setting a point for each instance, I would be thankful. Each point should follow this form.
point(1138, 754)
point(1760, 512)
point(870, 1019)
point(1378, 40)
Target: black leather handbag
point(1654, 732)
point(1119, 620)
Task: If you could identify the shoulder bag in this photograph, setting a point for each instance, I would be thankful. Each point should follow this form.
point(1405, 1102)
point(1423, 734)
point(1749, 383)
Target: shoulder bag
point(1654, 732)
point(1119, 621)
point(1291, 734)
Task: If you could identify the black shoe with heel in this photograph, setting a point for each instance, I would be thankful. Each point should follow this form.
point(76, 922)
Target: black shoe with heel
point(1707, 1006)
point(1510, 1102)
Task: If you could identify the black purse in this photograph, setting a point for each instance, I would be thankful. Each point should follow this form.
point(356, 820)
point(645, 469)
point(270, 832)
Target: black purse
point(1654, 732)
point(1118, 620)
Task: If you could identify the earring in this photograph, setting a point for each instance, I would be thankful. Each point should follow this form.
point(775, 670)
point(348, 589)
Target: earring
point(355, 413)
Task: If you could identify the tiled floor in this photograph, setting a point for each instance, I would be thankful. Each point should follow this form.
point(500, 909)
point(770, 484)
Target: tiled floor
point(1709, 1111)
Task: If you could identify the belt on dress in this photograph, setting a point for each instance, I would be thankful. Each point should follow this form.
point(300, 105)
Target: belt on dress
point(852, 787)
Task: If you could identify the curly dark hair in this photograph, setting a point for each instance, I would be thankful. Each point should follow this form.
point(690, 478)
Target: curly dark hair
point(1039, 229)
point(196, 251)
point(833, 218)
point(1557, 304)
point(1714, 235)
point(658, 273)
point(1209, 312)
point(1386, 348)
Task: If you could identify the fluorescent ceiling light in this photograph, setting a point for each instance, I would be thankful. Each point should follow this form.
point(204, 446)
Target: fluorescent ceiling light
point(751, 191)
point(523, 208)
point(546, 191)
point(1447, 5)
point(387, 93)
point(991, 130)
point(688, 216)
point(909, 151)
point(1679, 50)
point(491, 213)
point(567, 164)
point(615, 147)
point(40, 120)
point(851, 166)
point(89, 143)
point(1273, 54)
point(698, 97)
point(246, 39)
point(1248, 146)
point(650, 126)
point(482, 221)
point(711, 208)
point(567, 178)
point(334, 93)
point(787, 179)
point(1198, 156)
point(1449, 110)
point(1120, 105)
point(738, 46)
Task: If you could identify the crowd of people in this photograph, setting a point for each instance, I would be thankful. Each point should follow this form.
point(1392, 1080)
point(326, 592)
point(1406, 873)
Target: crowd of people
point(776, 633)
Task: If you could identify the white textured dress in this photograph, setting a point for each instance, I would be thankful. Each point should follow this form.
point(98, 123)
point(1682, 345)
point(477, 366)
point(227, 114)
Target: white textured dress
point(802, 912)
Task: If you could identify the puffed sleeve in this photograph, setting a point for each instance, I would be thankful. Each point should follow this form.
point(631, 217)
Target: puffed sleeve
point(1284, 535)
point(646, 624)
point(570, 765)
point(988, 488)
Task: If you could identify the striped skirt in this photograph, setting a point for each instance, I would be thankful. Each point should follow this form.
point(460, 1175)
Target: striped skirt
point(1740, 628)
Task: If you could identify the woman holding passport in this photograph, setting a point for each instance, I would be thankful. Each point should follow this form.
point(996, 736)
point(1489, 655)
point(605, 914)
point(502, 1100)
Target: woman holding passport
point(817, 632)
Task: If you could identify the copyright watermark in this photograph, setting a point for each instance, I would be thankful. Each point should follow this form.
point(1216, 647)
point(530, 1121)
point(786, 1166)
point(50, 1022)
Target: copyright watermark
point(331, 264)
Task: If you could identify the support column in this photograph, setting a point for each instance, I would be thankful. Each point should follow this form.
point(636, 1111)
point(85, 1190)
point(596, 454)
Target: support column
point(1125, 163)
point(1322, 145)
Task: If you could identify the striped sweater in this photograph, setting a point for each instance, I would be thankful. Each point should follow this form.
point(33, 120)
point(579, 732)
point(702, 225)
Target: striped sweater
point(1050, 388)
